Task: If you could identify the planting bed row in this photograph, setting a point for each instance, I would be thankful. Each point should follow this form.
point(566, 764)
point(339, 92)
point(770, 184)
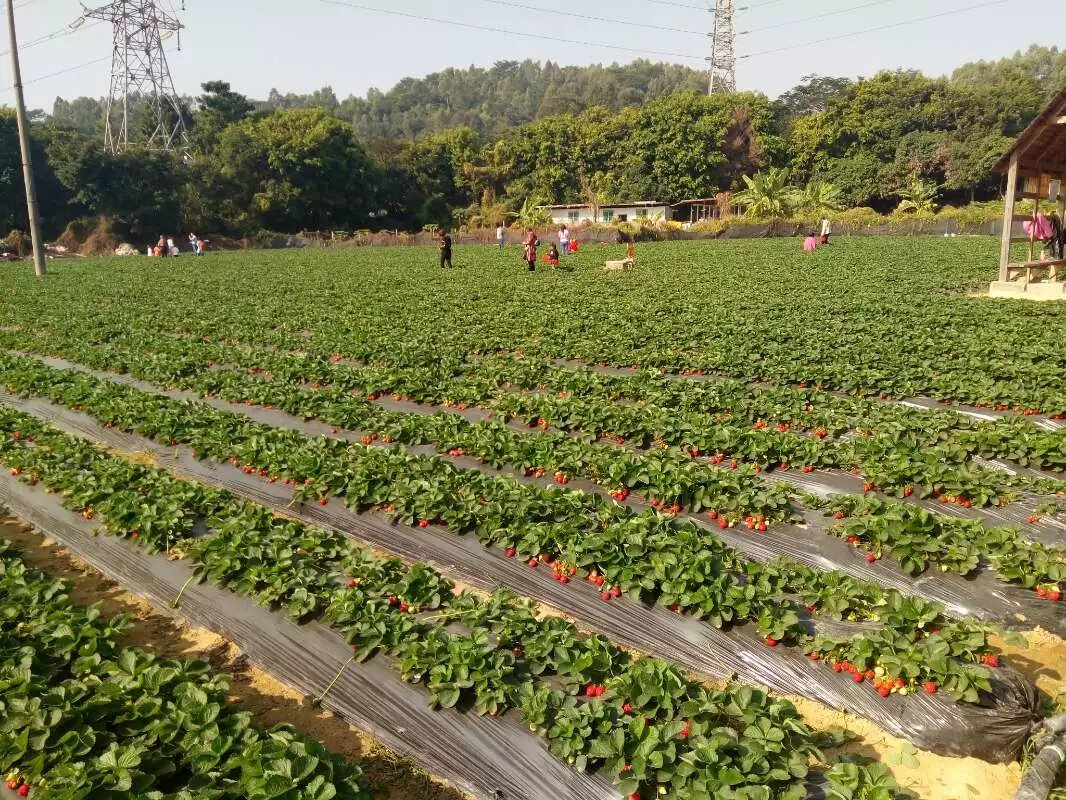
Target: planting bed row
point(769, 427)
point(638, 720)
point(86, 717)
point(910, 535)
point(837, 595)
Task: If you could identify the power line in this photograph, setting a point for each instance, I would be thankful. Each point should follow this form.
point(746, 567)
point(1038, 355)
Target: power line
point(60, 72)
point(609, 20)
point(875, 30)
point(66, 30)
point(753, 6)
point(524, 34)
point(777, 25)
point(679, 5)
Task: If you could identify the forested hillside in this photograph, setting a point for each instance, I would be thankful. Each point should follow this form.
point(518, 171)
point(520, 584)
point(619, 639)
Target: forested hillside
point(470, 146)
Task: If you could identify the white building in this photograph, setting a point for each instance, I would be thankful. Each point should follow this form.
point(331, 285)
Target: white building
point(686, 212)
point(608, 214)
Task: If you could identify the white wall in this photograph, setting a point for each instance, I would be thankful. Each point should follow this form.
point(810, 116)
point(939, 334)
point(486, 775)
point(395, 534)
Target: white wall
point(562, 216)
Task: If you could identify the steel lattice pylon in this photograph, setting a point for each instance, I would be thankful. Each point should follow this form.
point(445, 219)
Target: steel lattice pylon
point(140, 76)
point(723, 49)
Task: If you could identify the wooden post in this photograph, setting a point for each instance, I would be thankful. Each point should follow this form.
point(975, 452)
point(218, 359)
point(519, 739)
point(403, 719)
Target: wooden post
point(24, 147)
point(1008, 217)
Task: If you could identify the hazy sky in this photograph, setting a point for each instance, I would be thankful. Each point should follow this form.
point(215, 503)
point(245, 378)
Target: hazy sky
point(302, 45)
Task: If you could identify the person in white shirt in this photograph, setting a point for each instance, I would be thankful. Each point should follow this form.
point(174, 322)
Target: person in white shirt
point(564, 240)
point(500, 233)
point(827, 229)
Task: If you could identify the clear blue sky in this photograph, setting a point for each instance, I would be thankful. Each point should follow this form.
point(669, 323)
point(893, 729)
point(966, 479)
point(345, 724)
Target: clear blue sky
point(302, 45)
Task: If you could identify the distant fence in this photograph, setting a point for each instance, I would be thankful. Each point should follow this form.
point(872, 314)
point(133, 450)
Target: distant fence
point(609, 235)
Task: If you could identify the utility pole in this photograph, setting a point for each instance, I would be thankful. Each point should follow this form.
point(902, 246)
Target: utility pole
point(24, 145)
point(723, 49)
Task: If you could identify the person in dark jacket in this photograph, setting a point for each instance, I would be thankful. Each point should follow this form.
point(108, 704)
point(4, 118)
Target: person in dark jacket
point(1058, 235)
point(445, 250)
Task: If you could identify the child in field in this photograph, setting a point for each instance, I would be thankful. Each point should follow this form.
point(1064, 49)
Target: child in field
point(553, 256)
point(810, 243)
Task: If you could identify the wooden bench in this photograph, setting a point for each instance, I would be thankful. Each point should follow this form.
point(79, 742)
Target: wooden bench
point(1026, 270)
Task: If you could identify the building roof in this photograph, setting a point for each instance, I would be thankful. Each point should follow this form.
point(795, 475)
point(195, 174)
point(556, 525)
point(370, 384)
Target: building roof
point(695, 200)
point(1041, 147)
point(636, 204)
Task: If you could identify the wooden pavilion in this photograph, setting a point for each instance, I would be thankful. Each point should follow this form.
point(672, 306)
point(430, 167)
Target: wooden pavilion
point(1036, 170)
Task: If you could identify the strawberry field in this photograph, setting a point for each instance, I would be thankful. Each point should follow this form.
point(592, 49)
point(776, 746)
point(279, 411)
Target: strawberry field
point(736, 469)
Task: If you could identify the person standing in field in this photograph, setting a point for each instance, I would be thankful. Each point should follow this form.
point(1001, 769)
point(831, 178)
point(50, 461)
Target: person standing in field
point(501, 232)
point(445, 250)
point(827, 229)
point(564, 240)
point(1057, 235)
point(530, 250)
point(161, 246)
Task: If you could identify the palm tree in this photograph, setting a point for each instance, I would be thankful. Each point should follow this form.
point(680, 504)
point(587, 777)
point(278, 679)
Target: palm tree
point(919, 197)
point(818, 197)
point(767, 195)
point(531, 214)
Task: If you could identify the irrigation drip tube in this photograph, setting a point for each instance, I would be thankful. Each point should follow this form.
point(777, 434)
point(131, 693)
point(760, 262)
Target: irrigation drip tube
point(1040, 776)
point(994, 730)
point(489, 758)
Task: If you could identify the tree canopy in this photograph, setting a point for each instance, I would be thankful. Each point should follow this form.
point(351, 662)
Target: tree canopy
point(474, 145)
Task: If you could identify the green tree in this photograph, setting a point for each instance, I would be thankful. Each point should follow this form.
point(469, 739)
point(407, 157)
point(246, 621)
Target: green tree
point(768, 195)
point(919, 196)
point(295, 169)
point(139, 191)
point(818, 197)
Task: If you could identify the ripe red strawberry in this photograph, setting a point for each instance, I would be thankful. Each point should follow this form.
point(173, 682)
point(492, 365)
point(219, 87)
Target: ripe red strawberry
point(815, 656)
point(1054, 595)
point(616, 592)
point(870, 558)
point(771, 641)
point(606, 597)
point(839, 515)
point(423, 523)
point(929, 687)
point(533, 563)
point(838, 667)
point(511, 552)
point(723, 523)
point(762, 527)
point(858, 677)
point(353, 583)
point(323, 500)
point(24, 790)
point(908, 491)
point(884, 691)
point(990, 661)
point(627, 708)
point(404, 607)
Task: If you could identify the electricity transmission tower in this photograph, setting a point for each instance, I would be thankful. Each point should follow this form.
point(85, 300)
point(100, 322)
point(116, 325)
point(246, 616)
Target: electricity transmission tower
point(723, 49)
point(142, 92)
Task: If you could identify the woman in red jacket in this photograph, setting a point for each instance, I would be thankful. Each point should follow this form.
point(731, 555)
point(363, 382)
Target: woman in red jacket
point(530, 254)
